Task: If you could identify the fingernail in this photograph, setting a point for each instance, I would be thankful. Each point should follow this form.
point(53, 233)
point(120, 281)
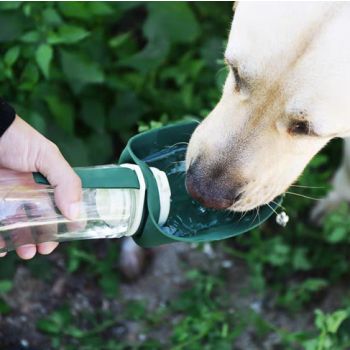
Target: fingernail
point(74, 210)
point(27, 251)
point(46, 247)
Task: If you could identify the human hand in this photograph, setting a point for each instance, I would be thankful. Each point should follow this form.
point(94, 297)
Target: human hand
point(24, 149)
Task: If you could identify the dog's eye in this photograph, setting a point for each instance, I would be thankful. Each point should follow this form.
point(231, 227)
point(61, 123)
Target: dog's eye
point(299, 128)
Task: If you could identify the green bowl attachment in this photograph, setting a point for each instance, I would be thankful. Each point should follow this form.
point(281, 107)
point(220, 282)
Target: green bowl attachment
point(165, 149)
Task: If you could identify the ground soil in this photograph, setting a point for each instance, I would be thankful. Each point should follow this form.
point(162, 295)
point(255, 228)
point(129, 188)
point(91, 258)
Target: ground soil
point(33, 298)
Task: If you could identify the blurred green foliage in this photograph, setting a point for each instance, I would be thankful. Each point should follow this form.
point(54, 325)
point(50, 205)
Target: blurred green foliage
point(87, 74)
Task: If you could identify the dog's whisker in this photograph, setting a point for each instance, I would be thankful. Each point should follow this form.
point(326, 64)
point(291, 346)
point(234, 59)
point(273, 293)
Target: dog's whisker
point(177, 144)
point(256, 215)
point(279, 205)
point(259, 214)
point(301, 186)
point(272, 208)
point(243, 214)
point(303, 196)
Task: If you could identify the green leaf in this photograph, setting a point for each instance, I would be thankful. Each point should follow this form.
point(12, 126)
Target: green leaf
point(30, 37)
point(119, 40)
point(9, 5)
point(211, 51)
point(172, 20)
point(28, 8)
point(74, 150)
point(337, 234)
point(12, 55)
point(43, 57)
point(85, 10)
point(109, 284)
point(52, 17)
point(335, 320)
point(5, 286)
point(47, 326)
point(93, 114)
point(100, 147)
point(300, 259)
point(80, 68)
point(68, 34)
point(314, 284)
point(74, 9)
point(99, 8)
point(29, 77)
point(311, 344)
point(74, 332)
point(152, 56)
point(62, 111)
point(4, 307)
point(278, 253)
point(126, 111)
point(56, 322)
point(178, 25)
point(11, 26)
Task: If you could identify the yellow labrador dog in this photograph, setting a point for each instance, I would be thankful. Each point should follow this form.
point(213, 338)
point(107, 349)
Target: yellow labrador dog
point(285, 97)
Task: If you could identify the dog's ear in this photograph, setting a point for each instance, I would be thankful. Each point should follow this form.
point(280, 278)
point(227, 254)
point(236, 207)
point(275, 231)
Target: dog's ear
point(234, 6)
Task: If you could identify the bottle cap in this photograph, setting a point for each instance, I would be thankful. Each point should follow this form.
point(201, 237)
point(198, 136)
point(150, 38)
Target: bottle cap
point(164, 195)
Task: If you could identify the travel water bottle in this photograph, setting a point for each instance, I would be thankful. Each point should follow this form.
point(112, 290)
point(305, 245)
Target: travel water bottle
point(143, 197)
point(28, 214)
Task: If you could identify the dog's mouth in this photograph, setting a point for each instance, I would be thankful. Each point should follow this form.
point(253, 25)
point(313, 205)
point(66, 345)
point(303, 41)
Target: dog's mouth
point(241, 202)
point(255, 197)
point(214, 188)
point(243, 207)
point(244, 201)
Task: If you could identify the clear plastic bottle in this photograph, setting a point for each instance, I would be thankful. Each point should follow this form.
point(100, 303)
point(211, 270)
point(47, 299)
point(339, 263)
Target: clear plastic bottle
point(28, 213)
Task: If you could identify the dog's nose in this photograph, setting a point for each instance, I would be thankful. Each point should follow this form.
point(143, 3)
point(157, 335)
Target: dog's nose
point(211, 192)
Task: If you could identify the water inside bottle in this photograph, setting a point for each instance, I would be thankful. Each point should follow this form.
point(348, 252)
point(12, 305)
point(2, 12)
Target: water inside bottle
point(187, 217)
point(28, 214)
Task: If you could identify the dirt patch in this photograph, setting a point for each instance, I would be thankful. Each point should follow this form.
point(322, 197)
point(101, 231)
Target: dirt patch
point(33, 298)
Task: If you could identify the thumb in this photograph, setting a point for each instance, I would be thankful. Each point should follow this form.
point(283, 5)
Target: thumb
point(66, 183)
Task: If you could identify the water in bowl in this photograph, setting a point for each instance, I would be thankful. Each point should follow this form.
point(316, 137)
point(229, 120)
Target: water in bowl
point(187, 218)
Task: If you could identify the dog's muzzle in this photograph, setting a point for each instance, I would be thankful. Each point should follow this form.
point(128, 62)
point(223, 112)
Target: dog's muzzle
point(210, 189)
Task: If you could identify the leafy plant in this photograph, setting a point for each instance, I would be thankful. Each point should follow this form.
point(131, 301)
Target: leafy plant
point(89, 75)
point(86, 74)
point(328, 325)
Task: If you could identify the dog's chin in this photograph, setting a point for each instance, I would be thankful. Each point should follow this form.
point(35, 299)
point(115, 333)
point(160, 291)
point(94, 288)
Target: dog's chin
point(243, 208)
point(246, 205)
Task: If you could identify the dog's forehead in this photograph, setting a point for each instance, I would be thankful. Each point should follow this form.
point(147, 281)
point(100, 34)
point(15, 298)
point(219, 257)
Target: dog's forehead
point(303, 44)
point(272, 34)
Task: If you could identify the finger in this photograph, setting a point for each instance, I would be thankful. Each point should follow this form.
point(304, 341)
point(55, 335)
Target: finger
point(21, 237)
point(27, 251)
point(78, 225)
point(23, 241)
point(44, 235)
point(44, 238)
point(2, 245)
point(47, 247)
point(62, 177)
